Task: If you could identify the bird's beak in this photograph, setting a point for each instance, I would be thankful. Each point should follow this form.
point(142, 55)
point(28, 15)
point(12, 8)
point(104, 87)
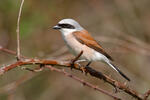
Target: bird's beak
point(56, 27)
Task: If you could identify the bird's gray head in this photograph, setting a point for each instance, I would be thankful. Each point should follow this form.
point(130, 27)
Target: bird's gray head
point(67, 26)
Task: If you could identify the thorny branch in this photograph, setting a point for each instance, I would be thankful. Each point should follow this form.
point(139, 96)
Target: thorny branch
point(52, 62)
point(83, 82)
point(89, 70)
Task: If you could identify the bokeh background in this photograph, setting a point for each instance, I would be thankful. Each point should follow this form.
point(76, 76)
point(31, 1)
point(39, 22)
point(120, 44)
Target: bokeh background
point(121, 26)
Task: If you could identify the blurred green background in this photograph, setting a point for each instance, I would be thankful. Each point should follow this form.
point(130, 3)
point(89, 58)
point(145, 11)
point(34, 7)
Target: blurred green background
point(121, 26)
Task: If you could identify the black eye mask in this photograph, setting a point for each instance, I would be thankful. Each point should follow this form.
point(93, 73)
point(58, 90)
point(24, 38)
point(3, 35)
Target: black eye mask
point(66, 26)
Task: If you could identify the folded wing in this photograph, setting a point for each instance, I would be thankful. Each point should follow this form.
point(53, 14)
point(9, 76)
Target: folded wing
point(85, 38)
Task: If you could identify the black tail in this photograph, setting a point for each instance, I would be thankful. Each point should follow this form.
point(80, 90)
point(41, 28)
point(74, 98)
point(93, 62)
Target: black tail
point(118, 70)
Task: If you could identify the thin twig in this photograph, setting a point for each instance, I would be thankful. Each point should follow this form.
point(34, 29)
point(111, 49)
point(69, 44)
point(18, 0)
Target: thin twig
point(12, 86)
point(18, 31)
point(83, 82)
point(126, 45)
point(146, 95)
point(10, 51)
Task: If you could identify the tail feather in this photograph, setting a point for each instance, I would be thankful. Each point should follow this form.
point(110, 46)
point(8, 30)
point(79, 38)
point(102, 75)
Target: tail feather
point(118, 70)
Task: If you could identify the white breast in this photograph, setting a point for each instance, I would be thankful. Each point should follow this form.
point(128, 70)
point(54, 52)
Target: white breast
point(76, 47)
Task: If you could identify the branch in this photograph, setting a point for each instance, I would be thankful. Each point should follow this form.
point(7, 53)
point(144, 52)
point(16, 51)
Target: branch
point(89, 70)
point(18, 31)
point(82, 81)
point(19, 63)
point(114, 83)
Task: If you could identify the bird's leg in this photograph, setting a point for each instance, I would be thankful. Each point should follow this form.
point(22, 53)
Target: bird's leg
point(75, 59)
point(87, 66)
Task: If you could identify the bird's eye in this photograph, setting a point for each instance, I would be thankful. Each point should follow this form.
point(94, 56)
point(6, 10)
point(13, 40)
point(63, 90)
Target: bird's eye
point(66, 26)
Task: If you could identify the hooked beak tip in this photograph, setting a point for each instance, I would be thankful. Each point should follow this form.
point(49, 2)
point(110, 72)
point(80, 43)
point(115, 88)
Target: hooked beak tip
point(56, 27)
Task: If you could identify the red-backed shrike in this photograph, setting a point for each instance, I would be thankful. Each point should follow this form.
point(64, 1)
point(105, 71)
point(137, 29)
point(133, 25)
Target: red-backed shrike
point(78, 39)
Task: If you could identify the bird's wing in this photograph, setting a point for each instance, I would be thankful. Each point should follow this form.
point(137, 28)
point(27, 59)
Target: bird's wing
point(85, 38)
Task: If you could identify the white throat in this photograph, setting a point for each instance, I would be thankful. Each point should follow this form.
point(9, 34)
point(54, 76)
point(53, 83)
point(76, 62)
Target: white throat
point(67, 31)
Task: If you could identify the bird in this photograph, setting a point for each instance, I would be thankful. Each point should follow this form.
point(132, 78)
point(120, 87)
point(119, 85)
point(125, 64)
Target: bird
point(79, 39)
